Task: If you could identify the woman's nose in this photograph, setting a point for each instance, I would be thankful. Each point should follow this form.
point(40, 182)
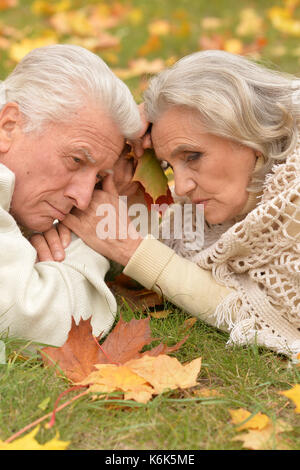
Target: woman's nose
point(184, 184)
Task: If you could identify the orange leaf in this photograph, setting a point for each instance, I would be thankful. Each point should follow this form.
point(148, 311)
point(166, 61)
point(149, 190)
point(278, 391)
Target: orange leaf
point(78, 356)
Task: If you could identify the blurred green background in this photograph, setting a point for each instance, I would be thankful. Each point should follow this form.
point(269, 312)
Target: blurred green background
point(140, 37)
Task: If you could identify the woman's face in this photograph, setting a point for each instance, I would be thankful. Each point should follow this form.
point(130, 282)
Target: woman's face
point(210, 170)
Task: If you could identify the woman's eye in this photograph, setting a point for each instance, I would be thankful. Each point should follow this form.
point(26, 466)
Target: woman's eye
point(76, 159)
point(193, 156)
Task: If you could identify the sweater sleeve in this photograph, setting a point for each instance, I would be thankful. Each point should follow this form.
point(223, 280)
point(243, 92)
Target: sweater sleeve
point(188, 286)
point(38, 300)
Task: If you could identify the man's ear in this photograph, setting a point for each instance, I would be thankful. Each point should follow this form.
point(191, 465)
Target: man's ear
point(10, 118)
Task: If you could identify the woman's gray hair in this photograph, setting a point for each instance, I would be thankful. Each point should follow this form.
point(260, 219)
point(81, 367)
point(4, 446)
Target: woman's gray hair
point(237, 99)
point(52, 82)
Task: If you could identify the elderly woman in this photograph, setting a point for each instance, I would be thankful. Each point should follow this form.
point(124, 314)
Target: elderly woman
point(229, 129)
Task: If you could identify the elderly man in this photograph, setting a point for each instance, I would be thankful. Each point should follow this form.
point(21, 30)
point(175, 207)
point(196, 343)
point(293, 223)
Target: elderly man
point(64, 118)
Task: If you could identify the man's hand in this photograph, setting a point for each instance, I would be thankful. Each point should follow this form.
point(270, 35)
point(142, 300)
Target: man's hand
point(50, 246)
point(84, 224)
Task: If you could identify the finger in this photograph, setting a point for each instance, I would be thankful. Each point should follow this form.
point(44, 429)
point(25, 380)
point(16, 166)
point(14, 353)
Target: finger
point(40, 244)
point(65, 235)
point(55, 244)
point(109, 185)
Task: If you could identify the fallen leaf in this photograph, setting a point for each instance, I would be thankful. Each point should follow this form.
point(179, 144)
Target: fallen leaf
point(294, 394)
point(152, 44)
point(258, 421)
point(18, 50)
point(137, 298)
point(139, 67)
point(166, 373)
point(159, 28)
point(266, 438)
point(5, 4)
point(206, 392)
point(112, 378)
point(160, 314)
point(140, 379)
point(211, 22)
point(43, 7)
point(250, 23)
point(28, 442)
point(282, 19)
point(79, 354)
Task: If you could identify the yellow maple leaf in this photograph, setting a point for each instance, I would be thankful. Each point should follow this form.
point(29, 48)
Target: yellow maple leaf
point(159, 28)
point(28, 442)
point(139, 67)
point(164, 372)
point(258, 421)
point(294, 395)
point(266, 438)
point(235, 46)
point(250, 23)
point(44, 7)
point(283, 20)
point(111, 378)
point(18, 50)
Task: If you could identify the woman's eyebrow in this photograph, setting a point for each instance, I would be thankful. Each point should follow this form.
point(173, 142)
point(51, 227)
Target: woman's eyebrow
point(184, 148)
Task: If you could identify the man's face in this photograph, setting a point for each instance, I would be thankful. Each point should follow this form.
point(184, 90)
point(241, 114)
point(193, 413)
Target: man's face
point(58, 168)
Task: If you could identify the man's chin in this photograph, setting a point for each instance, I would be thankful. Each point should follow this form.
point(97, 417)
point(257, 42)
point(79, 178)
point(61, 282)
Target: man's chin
point(37, 225)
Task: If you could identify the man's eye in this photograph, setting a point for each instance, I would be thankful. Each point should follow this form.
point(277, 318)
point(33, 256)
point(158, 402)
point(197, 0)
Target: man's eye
point(76, 159)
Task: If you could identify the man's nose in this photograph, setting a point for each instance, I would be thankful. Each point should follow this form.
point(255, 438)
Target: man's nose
point(184, 184)
point(81, 190)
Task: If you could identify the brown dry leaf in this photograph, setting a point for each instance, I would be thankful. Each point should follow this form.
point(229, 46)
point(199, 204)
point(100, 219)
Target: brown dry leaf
point(294, 394)
point(78, 356)
point(137, 298)
point(166, 373)
point(258, 421)
point(160, 314)
point(266, 438)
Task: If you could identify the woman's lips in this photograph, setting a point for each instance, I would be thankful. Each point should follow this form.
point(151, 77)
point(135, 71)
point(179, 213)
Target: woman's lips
point(200, 201)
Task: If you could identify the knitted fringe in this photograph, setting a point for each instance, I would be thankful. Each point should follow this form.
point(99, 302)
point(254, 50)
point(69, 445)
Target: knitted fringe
point(234, 314)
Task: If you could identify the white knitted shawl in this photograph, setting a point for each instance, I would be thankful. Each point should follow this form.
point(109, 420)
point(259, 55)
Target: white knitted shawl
point(259, 257)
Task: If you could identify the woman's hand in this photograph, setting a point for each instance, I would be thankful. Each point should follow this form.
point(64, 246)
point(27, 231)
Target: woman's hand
point(143, 141)
point(50, 246)
point(122, 242)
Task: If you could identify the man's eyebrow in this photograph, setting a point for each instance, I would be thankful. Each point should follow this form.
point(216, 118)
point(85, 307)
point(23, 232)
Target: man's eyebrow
point(87, 154)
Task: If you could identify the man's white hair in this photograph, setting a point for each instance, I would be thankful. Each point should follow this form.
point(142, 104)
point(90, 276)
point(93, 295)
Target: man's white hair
point(52, 82)
point(237, 99)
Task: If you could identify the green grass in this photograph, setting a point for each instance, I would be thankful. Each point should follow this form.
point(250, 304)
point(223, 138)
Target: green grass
point(245, 377)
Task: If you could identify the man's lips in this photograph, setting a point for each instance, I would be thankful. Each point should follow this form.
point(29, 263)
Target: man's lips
point(60, 215)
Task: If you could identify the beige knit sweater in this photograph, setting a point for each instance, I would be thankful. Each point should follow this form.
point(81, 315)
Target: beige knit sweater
point(246, 279)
